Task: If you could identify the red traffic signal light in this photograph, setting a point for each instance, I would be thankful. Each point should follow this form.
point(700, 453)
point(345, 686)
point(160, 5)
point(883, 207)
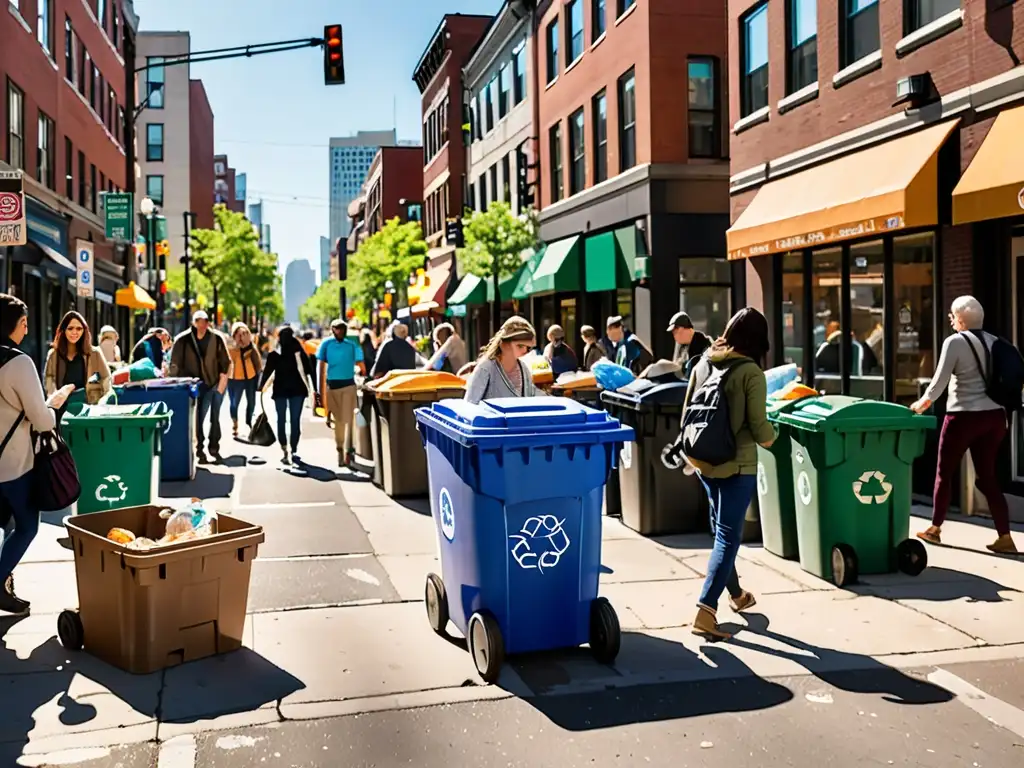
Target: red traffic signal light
point(334, 57)
point(163, 288)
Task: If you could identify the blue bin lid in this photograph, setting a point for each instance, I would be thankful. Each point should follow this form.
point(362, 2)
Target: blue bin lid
point(522, 421)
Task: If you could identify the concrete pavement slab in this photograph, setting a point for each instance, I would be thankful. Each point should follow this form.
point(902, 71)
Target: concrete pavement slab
point(360, 492)
point(50, 587)
point(395, 530)
point(133, 756)
point(408, 573)
point(789, 568)
point(212, 481)
point(344, 653)
point(45, 547)
point(624, 560)
point(1001, 679)
point(612, 528)
point(998, 620)
point(330, 529)
point(311, 582)
point(287, 485)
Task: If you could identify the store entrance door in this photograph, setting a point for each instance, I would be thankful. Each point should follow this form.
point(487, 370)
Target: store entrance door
point(1017, 262)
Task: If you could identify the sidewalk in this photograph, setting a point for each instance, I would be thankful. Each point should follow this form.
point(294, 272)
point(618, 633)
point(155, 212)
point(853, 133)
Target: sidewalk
point(337, 623)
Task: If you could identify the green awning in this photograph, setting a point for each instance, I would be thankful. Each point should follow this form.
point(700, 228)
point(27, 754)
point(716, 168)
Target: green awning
point(559, 268)
point(634, 252)
point(605, 263)
point(470, 291)
point(523, 289)
point(506, 285)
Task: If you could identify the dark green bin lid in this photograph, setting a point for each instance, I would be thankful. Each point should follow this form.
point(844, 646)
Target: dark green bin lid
point(841, 413)
point(116, 415)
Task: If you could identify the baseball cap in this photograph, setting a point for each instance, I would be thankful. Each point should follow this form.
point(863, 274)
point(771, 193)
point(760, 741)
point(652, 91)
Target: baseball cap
point(679, 320)
point(200, 314)
point(613, 320)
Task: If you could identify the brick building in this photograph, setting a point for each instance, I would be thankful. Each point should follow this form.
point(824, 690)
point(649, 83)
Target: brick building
point(876, 176)
point(66, 122)
point(224, 184)
point(633, 170)
point(394, 187)
point(200, 148)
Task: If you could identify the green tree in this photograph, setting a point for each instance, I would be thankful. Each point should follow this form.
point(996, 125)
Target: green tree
point(391, 254)
point(496, 234)
point(323, 306)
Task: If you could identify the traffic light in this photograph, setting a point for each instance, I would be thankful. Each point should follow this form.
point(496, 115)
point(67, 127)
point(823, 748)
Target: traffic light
point(524, 189)
point(467, 125)
point(334, 58)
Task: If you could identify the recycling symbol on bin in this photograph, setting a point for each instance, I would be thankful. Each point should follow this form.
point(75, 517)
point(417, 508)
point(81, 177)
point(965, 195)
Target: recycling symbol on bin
point(672, 456)
point(803, 487)
point(762, 480)
point(540, 543)
point(447, 514)
point(626, 455)
point(872, 487)
point(111, 490)
point(170, 420)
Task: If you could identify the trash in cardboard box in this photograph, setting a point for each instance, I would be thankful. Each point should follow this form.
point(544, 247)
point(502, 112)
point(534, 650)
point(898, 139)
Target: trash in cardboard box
point(192, 521)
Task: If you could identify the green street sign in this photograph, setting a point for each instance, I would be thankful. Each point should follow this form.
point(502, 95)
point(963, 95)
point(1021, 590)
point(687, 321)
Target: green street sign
point(119, 215)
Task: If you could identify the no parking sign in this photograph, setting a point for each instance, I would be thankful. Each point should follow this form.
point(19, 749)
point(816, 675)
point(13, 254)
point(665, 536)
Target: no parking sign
point(84, 258)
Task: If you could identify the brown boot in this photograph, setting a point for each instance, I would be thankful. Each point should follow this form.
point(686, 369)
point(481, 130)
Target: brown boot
point(744, 602)
point(1003, 545)
point(234, 427)
point(706, 625)
point(932, 534)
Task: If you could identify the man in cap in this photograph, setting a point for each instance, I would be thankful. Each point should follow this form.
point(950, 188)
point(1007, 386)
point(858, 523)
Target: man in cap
point(690, 343)
point(201, 353)
point(630, 352)
point(339, 358)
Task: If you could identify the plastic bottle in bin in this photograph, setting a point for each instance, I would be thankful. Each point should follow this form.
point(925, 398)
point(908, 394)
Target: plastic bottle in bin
point(778, 377)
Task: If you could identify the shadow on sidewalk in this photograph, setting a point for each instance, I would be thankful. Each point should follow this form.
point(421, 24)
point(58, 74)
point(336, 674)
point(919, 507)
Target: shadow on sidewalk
point(852, 672)
point(685, 541)
point(419, 505)
point(206, 485)
point(937, 585)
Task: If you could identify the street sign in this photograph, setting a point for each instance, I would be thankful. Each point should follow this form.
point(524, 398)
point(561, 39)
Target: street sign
point(119, 214)
point(84, 260)
point(13, 226)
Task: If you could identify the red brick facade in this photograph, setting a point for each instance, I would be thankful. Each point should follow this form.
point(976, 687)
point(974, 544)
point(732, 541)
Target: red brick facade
point(396, 174)
point(201, 178)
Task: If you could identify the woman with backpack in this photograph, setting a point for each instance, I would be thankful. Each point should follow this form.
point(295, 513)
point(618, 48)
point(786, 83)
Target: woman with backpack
point(724, 420)
point(292, 371)
point(973, 420)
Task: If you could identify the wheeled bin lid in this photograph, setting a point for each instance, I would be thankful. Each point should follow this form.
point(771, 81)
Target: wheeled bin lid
point(647, 398)
point(117, 415)
point(408, 387)
point(373, 385)
point(522, 422)
point(775, 406)
point(841, 413)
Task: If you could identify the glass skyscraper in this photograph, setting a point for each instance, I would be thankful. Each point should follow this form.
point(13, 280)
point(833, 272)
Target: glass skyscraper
point(350, 159)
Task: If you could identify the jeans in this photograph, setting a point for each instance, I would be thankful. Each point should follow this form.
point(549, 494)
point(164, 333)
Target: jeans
point(237, 388)
point(982, 432)
point(16, 496)
point(210, 401)
point(289, 407)
point(729, 498)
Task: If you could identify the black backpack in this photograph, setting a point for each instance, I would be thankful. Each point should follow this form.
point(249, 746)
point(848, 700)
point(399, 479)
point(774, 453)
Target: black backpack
point(1003, 372)
point(707, 434)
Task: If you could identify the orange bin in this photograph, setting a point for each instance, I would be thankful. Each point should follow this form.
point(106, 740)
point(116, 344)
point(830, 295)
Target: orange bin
point(143, 611)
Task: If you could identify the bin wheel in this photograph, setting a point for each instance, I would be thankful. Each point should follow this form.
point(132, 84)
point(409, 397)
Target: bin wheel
point(605, 633)
point(437, 603)
point(911, 557)
point(70, 630)
point(486, 646)
point(845, 568)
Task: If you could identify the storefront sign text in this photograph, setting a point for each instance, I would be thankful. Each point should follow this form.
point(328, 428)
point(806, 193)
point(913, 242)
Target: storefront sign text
point(13, 229)
point(84, 260)
point(820, 237)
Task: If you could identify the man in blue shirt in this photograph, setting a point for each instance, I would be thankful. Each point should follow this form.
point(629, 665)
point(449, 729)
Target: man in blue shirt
point(339, 357)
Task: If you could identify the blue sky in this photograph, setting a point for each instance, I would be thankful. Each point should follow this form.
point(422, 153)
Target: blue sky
point(273, 114)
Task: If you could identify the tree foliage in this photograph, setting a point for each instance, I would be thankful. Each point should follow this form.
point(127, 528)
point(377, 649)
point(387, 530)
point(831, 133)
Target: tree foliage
point(229, 257)
point(391, 254)
point(323, 306)
point(496, 234)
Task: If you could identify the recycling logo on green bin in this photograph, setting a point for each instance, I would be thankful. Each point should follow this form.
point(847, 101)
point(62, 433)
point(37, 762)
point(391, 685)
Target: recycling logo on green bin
point(111, 490)
point(803, 487)
point(762, 480)
point(872, 488)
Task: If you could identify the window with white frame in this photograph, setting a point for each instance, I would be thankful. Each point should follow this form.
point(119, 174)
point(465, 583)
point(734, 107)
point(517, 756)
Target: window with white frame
point(627, 121)
point(574, 31)
point(44, 25)
point(155, 142)
point(754, 57)
point(519, 74)
point(155, 79)
point(45, 151)
point(15, 126)
point(577, 152)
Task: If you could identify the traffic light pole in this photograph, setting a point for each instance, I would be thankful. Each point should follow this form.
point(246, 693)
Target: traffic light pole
point(187, 216)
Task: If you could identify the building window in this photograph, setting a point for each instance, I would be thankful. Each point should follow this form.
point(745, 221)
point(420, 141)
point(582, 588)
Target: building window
point(793, 312)
point(705, 292)
point(69, 50)
point(506, 179)
point(867, 323)
point(519, 74)
point(69, 179)
point(597, 20)
point(826, 280)
point(155, 78)
point(702, 114)
point(860, 35)
point(44, 25)
point(504, 89)
point(482, 186)
point(92, 187)
point(95, 89)
point(84, 62)
point(623, 5)
point(81, 178)
point(494, 183)
point(913, 295)
point(577, 152)
point(489, 105)
point(574, 32)
point(600, 110)
point(45, 151)
point(555, 148)
point(15, 126)
point(115, 27)
point(111, 104)
point(552, 41)
point(754, 53)
point(627, 121)
point(155, 142)
point(155, 189)
point(918, 13)
point(120, 125)
point(802, 44)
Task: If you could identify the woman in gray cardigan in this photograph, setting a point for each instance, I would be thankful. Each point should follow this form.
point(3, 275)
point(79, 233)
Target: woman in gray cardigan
point(501, 372)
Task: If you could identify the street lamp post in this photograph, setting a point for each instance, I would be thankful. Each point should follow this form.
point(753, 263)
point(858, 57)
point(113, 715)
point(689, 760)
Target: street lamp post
point(189, 218)
point(149, 210)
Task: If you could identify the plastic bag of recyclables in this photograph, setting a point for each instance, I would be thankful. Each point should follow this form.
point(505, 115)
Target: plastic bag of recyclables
point(193, 521)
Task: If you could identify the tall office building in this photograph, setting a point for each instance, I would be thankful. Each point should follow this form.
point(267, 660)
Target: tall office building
point(325, 259)
point(299, 285)
point(350, 158)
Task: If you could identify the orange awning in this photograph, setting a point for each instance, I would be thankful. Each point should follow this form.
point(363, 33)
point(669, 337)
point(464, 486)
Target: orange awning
point(436, 285)
point(992, 187)
point(887, 187)
point(134, 297)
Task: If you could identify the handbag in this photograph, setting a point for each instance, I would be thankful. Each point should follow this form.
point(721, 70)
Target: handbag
point(55, 483)
point(262, 433)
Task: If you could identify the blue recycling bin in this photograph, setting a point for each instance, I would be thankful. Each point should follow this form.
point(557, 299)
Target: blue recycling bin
point(179, 456)
point(516, 487)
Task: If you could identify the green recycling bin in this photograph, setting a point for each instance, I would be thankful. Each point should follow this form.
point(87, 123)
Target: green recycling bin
point(774, 496)
point(117, 452)
point(851, 470)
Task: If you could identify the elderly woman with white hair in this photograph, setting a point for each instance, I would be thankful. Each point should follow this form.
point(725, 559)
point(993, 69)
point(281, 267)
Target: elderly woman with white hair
point(973, 420)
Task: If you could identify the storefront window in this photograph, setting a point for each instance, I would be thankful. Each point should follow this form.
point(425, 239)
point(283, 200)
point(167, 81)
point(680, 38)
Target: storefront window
point(1017, 263)
point(867, 324)
point(826, 279)
point(705, 293)
point(793, 310)
point(624, 306)
point(569, 325)
point(914, 299)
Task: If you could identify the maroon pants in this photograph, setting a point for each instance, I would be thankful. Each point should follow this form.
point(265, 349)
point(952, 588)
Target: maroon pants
point(982, 432)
